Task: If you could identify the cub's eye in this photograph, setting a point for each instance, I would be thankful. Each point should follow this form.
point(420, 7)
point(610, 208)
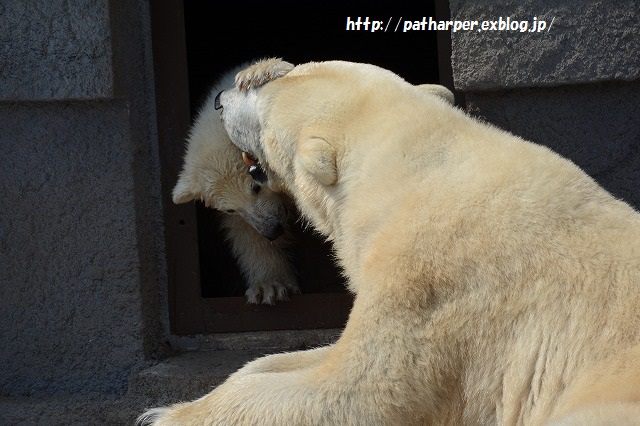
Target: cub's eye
point(255, 188)
point(230, 211)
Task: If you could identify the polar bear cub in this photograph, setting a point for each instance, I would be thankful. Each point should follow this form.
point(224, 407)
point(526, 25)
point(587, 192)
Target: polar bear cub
point(255, 217)
point(495, 282)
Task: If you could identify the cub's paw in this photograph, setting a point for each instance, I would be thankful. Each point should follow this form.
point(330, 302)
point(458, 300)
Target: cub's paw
point(262, 72)
point(269, 292)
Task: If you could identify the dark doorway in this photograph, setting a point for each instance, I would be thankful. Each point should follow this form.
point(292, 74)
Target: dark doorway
point(195, 42)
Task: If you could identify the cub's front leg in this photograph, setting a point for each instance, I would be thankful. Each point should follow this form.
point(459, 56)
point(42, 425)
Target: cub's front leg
point(265, 265)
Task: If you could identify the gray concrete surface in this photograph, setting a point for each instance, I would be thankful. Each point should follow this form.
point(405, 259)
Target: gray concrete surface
point(589, 41)
point(81, 246)
point(55, 50)
point(181, 378)
point(69, 250)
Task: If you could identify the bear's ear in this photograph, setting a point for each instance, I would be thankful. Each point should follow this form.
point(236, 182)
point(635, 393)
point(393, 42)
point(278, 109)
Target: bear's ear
point(182, 192)
point(318, 158)
point(438, 90)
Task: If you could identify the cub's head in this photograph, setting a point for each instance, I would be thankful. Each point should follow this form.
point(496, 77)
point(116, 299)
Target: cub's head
point(214, 173)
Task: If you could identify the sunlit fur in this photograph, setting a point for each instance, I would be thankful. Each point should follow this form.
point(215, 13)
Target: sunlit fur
point(495, 282)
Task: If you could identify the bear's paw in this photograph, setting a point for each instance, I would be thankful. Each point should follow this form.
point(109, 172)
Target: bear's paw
point(262, 72)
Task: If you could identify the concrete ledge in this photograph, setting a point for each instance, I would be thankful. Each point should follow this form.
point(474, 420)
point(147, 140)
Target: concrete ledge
point(181, 378)
point(269, 341)
point(187, 376)
point(70, 411)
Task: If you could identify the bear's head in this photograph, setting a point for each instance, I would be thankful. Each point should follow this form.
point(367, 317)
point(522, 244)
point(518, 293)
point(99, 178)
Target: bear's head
point(300, 126)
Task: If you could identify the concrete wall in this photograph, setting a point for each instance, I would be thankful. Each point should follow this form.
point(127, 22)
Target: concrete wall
point(588, 41)
point(81, 248)
point(55, 50)
point(574, 88)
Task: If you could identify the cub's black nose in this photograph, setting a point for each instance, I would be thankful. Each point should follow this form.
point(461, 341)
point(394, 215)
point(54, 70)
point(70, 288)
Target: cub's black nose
point(216, 101)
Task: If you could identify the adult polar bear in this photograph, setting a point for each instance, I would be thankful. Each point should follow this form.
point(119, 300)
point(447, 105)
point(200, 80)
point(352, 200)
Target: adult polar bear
point(495, 282)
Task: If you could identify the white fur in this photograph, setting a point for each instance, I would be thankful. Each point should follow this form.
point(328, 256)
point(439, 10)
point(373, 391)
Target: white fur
point(495, 282)
point(214, 173)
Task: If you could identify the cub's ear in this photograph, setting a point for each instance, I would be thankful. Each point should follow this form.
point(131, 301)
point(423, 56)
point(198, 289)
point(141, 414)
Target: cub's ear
point(182, 192)
point(438, 90)
point(318, 158)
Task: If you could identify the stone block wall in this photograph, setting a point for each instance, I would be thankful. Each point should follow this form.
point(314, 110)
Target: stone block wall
point(81, 246)
point(574, 87)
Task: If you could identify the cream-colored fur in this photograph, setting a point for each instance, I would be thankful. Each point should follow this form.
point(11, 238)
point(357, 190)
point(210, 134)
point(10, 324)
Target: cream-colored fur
point(495, 282)
point(213, 172)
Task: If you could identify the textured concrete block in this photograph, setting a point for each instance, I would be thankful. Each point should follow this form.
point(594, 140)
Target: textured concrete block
point(589, 41)
point(55, 49)
point(69, 249)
